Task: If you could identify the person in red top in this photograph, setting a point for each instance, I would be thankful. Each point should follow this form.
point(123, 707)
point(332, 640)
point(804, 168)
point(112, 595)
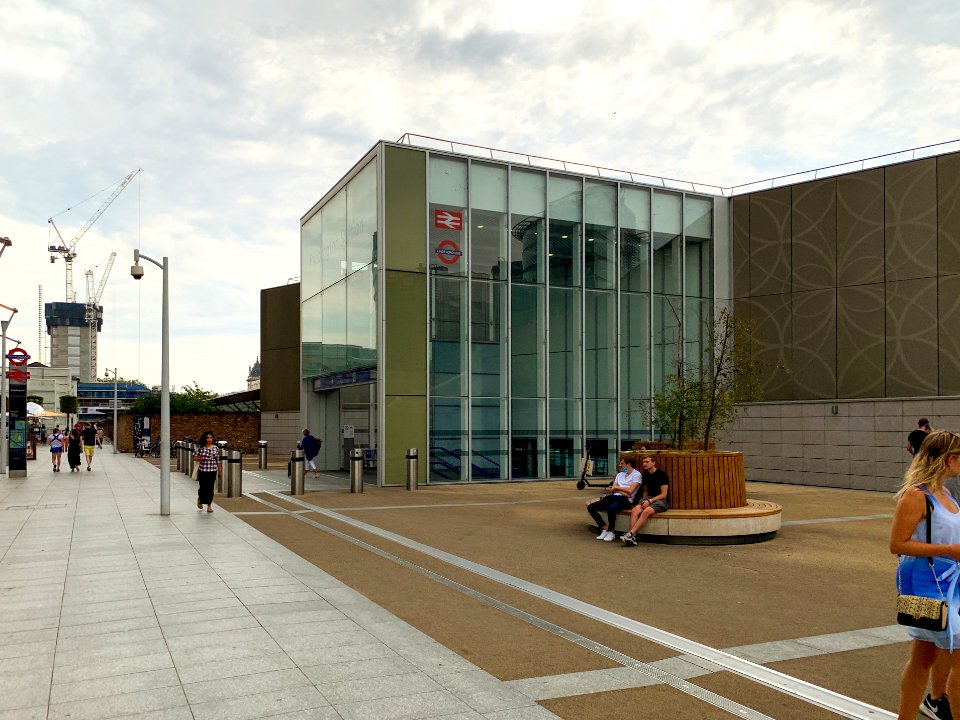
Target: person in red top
point(208, 457)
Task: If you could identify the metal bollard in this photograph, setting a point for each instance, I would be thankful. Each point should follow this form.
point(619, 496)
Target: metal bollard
point(185, 454)
point(296, 474)
point(222, 475)
point(262, 457)
point(413, 469)
point(176, 447)
point(192, 448)
point(234, 473)
point(356, 471)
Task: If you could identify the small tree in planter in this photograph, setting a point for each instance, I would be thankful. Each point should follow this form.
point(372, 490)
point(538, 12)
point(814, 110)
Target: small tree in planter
point(733, 376)
point(698, 404)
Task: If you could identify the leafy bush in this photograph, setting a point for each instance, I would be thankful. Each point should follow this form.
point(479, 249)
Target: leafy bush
point(189, 400)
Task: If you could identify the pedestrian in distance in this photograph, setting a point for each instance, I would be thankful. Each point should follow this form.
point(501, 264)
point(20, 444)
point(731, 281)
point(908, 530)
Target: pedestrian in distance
point(74, 443)
point(89, 436)
point(936, 460)
point(915, 439)
point(56, 448)
point(311, 448)
point(99, 435)
point(208, 457)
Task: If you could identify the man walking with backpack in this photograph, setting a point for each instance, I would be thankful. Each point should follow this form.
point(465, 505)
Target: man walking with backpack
point(311, 448)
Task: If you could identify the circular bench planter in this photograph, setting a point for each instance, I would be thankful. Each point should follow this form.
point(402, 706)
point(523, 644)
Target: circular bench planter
point(708, 502)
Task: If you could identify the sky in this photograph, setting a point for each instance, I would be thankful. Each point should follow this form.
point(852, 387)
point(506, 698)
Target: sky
point(243, 114)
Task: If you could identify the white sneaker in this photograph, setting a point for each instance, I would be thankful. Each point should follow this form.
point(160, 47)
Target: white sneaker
point(602, 535)
point(609, 536)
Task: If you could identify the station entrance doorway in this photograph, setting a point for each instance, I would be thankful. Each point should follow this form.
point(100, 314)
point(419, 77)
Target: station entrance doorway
point(345, 419)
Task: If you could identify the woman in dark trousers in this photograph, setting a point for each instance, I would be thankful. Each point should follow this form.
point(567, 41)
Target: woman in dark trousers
point(73, 451)
point(208, 457)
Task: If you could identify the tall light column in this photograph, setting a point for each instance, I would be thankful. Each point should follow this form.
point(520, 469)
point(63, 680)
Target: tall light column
point(4, 443)
point(116, 396)
point(137, 272)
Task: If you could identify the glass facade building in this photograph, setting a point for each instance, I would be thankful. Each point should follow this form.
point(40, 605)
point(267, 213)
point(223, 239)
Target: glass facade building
point(502, 318)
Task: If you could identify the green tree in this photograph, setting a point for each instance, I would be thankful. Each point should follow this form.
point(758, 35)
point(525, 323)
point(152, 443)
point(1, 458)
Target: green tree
point(700, 402)
point(733, 376)
point(190, 399)
point(69, 405)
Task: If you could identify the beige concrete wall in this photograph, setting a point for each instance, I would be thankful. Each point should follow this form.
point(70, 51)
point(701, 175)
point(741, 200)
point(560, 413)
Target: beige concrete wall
point(857, 444)
point(281, 430)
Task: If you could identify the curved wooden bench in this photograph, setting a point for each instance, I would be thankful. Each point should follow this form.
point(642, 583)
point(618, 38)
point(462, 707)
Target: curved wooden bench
point(756, 521)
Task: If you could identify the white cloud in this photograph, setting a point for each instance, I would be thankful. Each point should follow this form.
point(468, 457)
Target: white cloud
point(243, 115)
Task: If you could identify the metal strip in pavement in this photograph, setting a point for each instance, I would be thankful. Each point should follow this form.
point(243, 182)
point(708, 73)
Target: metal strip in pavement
point(851, 518)
point(808, 692)
point(656, 673)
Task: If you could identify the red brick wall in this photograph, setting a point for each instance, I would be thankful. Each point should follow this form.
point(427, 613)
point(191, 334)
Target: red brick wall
point(241, 430)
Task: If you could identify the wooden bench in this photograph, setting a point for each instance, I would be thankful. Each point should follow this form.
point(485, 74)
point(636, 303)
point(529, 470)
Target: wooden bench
point(756, 521)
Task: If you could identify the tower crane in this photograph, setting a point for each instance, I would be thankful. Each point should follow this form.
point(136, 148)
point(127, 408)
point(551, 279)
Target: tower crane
point(93, 309)
point(68, 253)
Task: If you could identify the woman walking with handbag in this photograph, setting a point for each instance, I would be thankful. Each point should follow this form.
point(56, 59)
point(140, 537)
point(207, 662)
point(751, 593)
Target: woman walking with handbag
point(929, 565)
point(208, 459)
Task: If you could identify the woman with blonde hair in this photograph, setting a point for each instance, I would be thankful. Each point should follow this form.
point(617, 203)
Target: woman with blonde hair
point(937, 460)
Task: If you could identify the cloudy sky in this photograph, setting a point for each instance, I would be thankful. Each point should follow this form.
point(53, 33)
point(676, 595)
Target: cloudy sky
point(242, 114)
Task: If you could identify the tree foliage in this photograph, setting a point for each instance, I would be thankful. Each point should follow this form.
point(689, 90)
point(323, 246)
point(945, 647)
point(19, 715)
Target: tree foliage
point(699, 402)
point(190, 399)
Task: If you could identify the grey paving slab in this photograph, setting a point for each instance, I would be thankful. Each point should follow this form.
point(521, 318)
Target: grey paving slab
point(109, 668)
point(408, 707)
point(108, 626)
point(253, 664)
point(371, 688)
point(132, 703)
point(260, 705)
point(228, 688)
point(33, 663)
point(218, 625)
point(38, 712)
point(115, 685)
point(357, 669)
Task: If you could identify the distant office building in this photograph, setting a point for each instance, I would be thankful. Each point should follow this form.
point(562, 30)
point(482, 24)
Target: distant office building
point(95, 399)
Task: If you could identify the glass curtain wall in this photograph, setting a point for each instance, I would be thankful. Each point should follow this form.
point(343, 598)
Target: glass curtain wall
point(557, 306)
point(338, 271)
point(528, 321)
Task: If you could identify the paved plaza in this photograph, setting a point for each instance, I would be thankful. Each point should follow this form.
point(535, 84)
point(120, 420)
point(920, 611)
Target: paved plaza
point(439, 604)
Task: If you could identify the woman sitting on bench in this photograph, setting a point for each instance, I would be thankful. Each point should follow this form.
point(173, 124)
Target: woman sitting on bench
point(623, 490)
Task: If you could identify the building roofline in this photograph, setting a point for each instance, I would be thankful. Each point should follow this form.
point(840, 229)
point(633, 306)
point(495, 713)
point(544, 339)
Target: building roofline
point(539, 161)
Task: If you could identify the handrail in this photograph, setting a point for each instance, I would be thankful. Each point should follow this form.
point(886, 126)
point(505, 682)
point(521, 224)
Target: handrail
point(613, 173)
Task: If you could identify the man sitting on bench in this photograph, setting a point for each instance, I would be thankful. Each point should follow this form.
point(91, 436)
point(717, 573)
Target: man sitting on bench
point(624, 489)
point(652, 500)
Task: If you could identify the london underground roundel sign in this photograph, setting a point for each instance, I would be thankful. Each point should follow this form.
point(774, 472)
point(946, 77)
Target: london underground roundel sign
point(18, 356)
point(448, 252)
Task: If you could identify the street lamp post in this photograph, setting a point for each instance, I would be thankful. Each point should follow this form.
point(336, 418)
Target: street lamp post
point(115, 401)
point(4, 324)
point(137, 272)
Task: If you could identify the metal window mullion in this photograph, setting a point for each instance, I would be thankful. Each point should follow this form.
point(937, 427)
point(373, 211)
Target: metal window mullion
point(380, 278)
point(507, 393)
point(650, 310)
point(583, 318)
point(683, 283)
point(466, 473)
point(545, 257)
point(431, 300)
point(618, 424)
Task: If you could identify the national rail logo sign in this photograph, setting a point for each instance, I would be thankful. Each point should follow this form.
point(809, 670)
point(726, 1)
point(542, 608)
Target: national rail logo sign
point(448, 252)
point(448, 219)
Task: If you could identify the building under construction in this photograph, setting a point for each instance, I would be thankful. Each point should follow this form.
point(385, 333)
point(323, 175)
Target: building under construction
point(73, 329)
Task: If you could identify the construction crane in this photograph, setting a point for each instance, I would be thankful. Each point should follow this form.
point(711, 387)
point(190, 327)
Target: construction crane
point(68, 252)
point(93, 309)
